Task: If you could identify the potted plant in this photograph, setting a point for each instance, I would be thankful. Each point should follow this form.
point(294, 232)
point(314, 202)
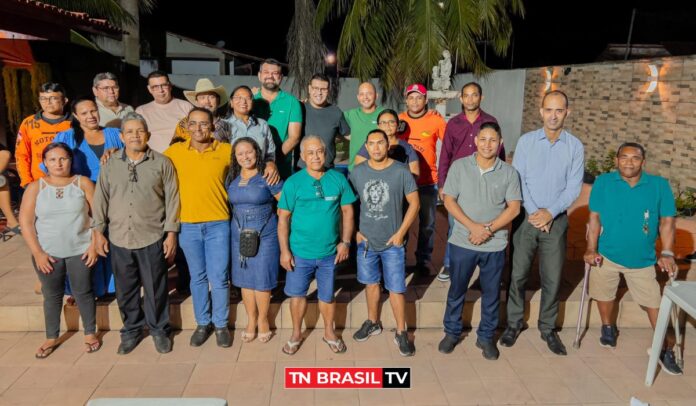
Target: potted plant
point(685, 202)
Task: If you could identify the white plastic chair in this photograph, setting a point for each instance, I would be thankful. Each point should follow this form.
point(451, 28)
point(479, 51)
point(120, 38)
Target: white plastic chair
point(681, 294)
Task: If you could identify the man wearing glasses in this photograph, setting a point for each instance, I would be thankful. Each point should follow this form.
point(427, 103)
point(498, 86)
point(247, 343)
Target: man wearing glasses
point(137, 197)
point(106, 92)
point(322, 118)
point(164, 112)
point(315, 225)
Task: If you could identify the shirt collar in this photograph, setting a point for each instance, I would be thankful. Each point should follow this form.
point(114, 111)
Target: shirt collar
point(148, 155)
point(252, 120)
point(497, 165)
point(616, 176)
point(121, 106)
point(212, 146)
point(541, 134)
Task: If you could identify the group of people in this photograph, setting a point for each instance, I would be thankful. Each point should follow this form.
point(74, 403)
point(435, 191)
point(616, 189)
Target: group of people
point(232, 193)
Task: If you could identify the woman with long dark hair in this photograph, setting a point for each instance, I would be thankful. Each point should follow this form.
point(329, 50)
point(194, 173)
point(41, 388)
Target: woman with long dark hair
point(252, 199)
point(55, 222)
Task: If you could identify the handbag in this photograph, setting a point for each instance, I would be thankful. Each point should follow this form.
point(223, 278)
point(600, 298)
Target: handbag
point(249, 240)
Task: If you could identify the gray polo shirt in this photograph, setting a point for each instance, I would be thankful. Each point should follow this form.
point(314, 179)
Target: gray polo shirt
point(482, 197)
point(110, 118)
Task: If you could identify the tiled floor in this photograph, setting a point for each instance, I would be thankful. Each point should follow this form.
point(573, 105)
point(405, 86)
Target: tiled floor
point(252, 374)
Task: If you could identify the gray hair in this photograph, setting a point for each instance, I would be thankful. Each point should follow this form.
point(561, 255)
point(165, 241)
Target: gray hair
point(104, 76)
point(133, 116)
point(308, 138)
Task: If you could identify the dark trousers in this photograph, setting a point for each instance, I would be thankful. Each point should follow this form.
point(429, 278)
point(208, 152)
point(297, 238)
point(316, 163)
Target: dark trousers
point(463, 262)
point(53, 286)
point(183, 276)
point(526, 241)
point(146, 268)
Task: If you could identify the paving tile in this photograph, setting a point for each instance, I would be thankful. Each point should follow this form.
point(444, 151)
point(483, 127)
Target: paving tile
point(205, 391)
point(23, 396)
point(514, 393)
point(8, 376)
point(377, 397)
point(172, 374)
point(499, 368)
point(212, 374)
point(128, 375)
point(44, 377)
point(549, 390)
point(470, 392)
point(84, 376)
point(67, 396)
point(255, 393)
point(344, 397)
point(160, 391)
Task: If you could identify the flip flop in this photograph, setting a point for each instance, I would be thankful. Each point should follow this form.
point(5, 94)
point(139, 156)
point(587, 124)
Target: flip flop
point(248, 337)
point(265, 337)
point(337, 346)
point(291, 347)
point(45, 352)
point(93, 347)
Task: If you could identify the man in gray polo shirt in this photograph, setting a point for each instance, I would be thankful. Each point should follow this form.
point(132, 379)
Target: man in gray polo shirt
point(483, 195)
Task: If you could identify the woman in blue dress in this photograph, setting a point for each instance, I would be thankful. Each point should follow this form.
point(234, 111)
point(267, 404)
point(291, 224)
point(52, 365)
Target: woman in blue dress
point(89, 142)
point(253, 207)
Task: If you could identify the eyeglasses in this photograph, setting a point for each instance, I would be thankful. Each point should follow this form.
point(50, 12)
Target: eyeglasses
point(50, 99)
point(272, 73)
point(202, 124)
point(241, 99)
point(320, 89)
point(319, 191)
point(108, 88)
point(387, 122)
point(160, 87)
point(132, 174)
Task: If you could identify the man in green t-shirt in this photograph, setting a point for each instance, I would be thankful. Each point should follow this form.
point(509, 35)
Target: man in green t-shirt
point(282, 111)
point(363, 119)
point(315, 209)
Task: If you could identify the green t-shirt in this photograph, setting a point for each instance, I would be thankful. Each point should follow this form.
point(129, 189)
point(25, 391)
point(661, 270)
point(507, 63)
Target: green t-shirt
point(315, 205)
point(630, 217)
point(360, 124)
point(282, 111)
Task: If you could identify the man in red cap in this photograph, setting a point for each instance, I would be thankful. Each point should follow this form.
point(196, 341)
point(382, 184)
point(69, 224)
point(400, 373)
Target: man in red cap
point(423, 129)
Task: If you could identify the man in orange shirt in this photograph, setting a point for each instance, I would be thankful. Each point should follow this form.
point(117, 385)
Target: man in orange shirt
point(423, 129)
point(38, 130)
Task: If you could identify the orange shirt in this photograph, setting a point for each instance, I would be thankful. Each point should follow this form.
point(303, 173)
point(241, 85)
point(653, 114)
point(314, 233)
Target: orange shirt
point(34, 134)
point(422, 133)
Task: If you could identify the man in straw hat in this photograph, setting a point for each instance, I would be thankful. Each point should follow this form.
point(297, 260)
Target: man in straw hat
point(211, 98)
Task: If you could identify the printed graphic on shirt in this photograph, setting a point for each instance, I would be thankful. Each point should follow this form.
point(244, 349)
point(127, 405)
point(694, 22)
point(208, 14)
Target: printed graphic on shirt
point(376, 195)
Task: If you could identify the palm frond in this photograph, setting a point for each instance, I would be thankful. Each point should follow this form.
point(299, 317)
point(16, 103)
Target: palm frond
point(110, 10)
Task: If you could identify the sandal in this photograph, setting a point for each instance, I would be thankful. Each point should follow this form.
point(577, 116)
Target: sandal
point(291, 347)
point(248, 337)
point(93, 347)
point(44, 352)
point(337, 346)
point(10, 232)
point(265, 337)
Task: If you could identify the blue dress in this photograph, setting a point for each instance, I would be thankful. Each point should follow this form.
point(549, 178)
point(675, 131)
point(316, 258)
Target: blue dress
point(253, 207)
point(86, 163)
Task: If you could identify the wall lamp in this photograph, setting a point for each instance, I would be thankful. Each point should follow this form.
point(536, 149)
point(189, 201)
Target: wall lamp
point(549, 76)
point(653, 78)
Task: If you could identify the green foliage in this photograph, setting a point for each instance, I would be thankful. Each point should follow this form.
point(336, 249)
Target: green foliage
point(685, 202)
point(596, 168)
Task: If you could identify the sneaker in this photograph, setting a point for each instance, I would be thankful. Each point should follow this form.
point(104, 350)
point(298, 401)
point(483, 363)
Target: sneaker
point(668, 363)
point(444, 274)
point(405, 347)
point(447, 344)
point(367, 329)
point(489, 349)
point(608, 338)
point(691, 257)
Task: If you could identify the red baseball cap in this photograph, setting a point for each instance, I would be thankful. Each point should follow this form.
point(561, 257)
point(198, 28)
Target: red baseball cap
point(416, 87)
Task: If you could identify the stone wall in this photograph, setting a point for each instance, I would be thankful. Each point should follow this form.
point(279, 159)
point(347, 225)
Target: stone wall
point(610, 103)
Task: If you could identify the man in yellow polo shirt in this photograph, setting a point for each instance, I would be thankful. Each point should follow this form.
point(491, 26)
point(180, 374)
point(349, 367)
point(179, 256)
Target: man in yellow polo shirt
point(202, 164)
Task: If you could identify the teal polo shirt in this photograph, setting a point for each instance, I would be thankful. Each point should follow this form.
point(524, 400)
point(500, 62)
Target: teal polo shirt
point(315, 205)
point(282, 111)
point(360, 124)
point(630, 216)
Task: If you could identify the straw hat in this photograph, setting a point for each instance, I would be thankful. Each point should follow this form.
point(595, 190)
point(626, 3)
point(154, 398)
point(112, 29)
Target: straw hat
point(204, 86)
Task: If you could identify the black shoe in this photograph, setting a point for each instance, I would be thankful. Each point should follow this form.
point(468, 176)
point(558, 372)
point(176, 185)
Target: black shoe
point(509, 337)
point(608, 338)
point(405, 347)
point(163, 344)
point(367, 329)
point(128, 345)
point(447, 344)
point(553, 341)
point(200, 335)
point(444, 275)
point(668, 363)
point(691, 257)
point(223, 337)
point(490, 351)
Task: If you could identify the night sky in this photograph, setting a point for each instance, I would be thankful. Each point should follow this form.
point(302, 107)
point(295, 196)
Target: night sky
point(552, 32)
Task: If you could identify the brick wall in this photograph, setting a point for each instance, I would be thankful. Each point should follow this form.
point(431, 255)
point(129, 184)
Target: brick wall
point(610, 104)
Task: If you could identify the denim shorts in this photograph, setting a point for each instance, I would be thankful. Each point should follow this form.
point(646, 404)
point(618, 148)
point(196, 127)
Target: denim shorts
point(393, 264)
point(297, 282)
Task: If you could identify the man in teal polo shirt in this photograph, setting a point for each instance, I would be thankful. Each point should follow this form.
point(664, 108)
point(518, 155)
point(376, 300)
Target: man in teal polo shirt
point(362, 120)
point(628, 210)
point(282, 111)
point(315, 209)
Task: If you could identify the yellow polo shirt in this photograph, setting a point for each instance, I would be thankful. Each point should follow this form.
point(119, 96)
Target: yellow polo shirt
point(201, 178)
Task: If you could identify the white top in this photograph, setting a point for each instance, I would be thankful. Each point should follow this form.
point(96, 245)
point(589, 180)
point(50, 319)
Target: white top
point(162, 120)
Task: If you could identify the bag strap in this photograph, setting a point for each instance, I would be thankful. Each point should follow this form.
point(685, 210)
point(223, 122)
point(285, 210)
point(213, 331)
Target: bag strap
point(239, 226)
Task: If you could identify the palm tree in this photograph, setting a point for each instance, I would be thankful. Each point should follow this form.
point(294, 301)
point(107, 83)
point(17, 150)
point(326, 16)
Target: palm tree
point(400, 40)
point(306, 51)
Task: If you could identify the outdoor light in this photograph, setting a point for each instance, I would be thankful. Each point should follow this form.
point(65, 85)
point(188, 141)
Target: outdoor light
point(652, 78)
point(330, 58)
point(549, 75)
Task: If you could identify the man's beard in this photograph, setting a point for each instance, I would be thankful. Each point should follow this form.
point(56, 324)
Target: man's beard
point(272, 86)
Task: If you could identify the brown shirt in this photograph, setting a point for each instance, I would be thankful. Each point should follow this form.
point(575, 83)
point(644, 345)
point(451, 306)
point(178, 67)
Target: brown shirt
point(138, 210)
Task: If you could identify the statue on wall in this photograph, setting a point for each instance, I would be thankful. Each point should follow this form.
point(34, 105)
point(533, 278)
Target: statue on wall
point(442, 72)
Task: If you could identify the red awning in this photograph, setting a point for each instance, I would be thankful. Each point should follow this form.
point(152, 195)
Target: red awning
point(16, 53)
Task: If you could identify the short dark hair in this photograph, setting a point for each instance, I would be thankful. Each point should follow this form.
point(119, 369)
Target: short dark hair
point(271, 61)
point(157, 74)
point(388, 111)
point(320, 77)
point(50, 87)
point(55, 145)
point(555, 93)
point(631, 145)
point(490, 125)
point(202, 110)
point(241, 87)
point(78, 133)
point(478, 87)
point(236, 168)
point(377, 131)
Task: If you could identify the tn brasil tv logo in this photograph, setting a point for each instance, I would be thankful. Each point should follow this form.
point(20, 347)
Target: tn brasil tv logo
point(347, 378)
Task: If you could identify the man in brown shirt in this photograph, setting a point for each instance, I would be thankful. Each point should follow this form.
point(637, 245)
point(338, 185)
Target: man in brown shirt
point(137, 197)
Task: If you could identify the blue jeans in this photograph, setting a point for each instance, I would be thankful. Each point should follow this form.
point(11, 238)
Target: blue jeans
point(207, 249)
point(463, 261)
point(393, 261)
point(297, 282)
point(450, 223)
point(426, 226)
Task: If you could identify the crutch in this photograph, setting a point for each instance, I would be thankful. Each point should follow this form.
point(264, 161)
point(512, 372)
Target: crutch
point(677, 333)
point(585, 281)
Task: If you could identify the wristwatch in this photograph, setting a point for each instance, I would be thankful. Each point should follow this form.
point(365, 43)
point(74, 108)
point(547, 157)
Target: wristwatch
point(346, 243)
point(667, 253)
point(488, 228)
